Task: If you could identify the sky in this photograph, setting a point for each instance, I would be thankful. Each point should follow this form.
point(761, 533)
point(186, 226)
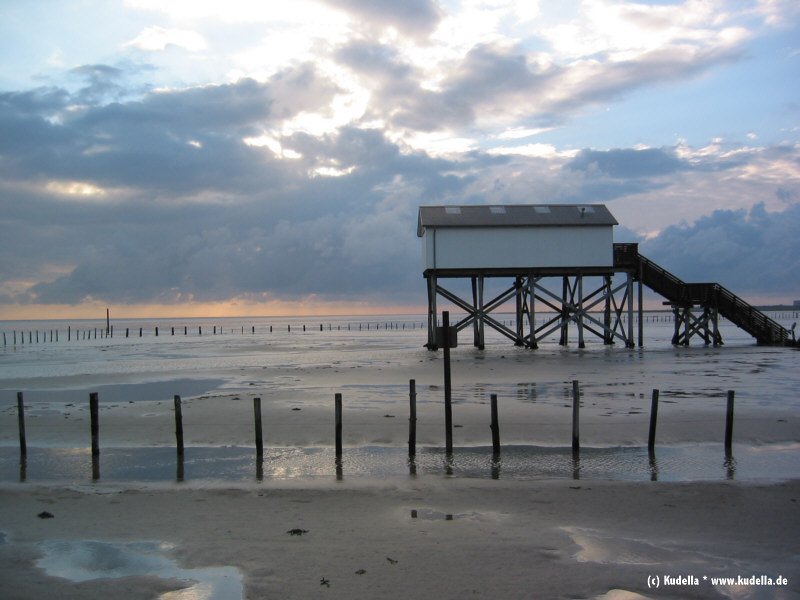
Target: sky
point(204, 158)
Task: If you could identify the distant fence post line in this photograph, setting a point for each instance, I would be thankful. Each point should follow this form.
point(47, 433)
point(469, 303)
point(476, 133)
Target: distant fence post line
point(16, 338)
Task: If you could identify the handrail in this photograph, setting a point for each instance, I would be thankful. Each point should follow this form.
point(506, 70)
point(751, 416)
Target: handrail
point(713, 295)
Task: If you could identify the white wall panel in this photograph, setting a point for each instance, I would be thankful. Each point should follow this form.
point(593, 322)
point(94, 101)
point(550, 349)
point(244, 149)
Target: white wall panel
point(517, 247)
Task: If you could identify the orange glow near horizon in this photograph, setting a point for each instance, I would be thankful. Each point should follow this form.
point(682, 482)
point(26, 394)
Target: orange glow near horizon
point(235, 308)
point(308, 307)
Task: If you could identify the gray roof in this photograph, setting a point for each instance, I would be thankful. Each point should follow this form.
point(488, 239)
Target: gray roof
point(514, 215)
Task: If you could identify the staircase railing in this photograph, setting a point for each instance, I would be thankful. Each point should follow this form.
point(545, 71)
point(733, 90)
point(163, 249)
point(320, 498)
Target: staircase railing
point(711, 295)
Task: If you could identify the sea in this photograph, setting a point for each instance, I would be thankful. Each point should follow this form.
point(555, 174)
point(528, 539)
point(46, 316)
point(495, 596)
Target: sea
point(61, 361)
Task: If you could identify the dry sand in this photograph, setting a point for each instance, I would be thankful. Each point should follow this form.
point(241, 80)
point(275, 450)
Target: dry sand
point(610, 540)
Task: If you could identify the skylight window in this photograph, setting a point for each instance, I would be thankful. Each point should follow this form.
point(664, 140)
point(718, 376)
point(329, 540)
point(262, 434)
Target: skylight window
point(497, 210)
point(452, 210)
point(542, 210)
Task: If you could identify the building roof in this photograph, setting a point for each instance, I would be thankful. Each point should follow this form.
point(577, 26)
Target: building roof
point(514, 215)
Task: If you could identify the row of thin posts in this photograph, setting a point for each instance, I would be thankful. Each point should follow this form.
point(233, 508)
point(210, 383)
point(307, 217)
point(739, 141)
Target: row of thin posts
point(651, 437)
point(412, 430)
point(576, 401)
point(16, 338)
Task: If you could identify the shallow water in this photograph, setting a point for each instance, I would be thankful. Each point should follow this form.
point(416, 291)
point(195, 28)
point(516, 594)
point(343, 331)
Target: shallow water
point(244, 346)
point(87, 560)
point(206, 465)
point(286, 363)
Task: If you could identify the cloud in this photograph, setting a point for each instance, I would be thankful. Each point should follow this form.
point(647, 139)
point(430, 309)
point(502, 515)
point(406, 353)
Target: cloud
point(753, 252)
point(496, 84)
point(287, 171)
point(182, 208)
point(161, 200)
point(415, 18)
point(158, 39)
point(628, 163)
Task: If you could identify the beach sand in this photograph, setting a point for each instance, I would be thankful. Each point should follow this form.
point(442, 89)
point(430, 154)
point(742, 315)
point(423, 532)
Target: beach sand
point(542, 539)
point(470, 537)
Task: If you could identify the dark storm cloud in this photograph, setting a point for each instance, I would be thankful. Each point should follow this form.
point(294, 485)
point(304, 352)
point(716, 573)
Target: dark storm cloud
point(626, 163)
point(169, 142)
point(606, 175)
point(192, 211)
point(751, 252)
point(102, 82)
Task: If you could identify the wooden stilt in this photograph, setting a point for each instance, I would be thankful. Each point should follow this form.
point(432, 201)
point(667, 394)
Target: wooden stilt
point(178, 425)
point(338, 419)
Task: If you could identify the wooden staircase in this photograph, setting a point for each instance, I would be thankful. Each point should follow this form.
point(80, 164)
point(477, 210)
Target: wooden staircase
point(710, 296)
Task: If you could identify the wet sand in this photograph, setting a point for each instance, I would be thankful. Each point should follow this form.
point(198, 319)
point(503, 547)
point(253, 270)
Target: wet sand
point(470, 538)
point(477, 537)
point(534, 392)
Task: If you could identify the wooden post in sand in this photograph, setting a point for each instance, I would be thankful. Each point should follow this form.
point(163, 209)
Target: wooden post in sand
point(448, 406)
point(576, 402)
point(651, 437)
point(412, 417)
point(93, 412)
point(259, 438)
point(729, 424)
point(23, 446)
point(338, 403)
point(495, 426)
point(179, 425)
